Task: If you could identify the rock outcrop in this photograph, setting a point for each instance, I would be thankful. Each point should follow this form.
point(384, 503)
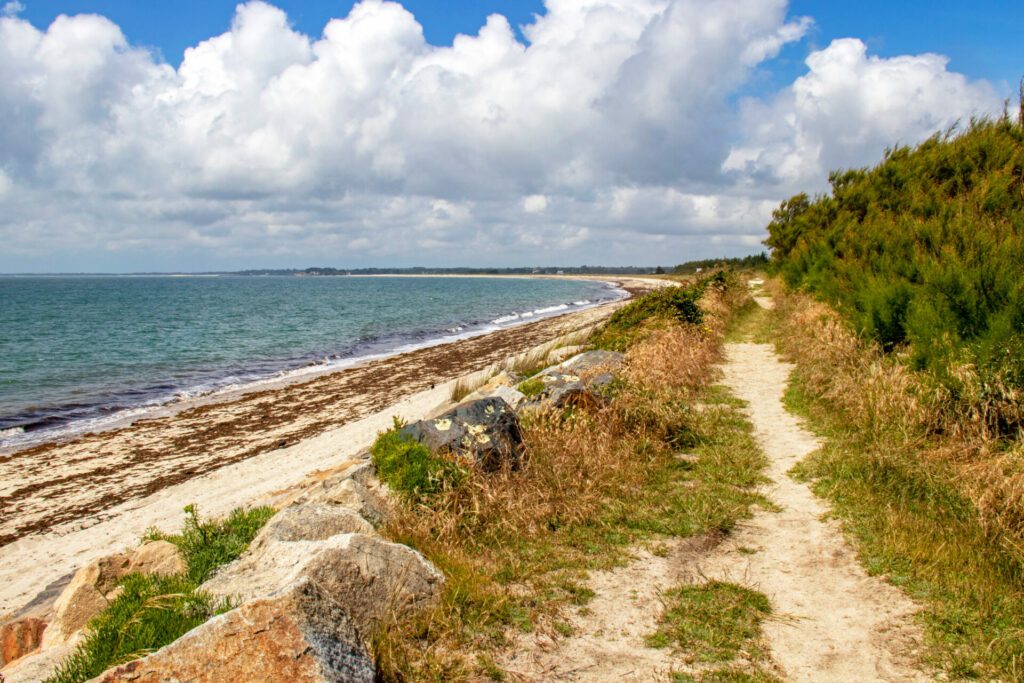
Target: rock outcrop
point(157, 557)
point(576, 382)
point(370, 577)
point(86, 596)
point(483, 432)
point(300, 635)
point(20, 637)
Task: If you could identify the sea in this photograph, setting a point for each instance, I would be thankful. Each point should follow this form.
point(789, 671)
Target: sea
point(84, 353)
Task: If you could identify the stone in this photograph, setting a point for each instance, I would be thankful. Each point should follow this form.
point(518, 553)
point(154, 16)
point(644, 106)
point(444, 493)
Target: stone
point(40, 665)
point(84, 597)
point(502, 379)
point(371, 503)
point(157, 557)
point(20, 637)
point(484, 432)
point(510, 395)
point(370, 577)
point(577, 381)
point(299, 635)
point(311, 522)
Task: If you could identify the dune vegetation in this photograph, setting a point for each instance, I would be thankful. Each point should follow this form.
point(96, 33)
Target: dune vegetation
point(516, 546)
point(901, 300)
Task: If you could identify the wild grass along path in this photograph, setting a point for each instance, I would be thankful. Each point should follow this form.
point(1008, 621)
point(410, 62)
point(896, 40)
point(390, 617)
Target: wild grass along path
point(830, 621)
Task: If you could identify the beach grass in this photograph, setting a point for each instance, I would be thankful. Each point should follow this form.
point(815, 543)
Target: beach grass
point(152, 610)
point(516, 547)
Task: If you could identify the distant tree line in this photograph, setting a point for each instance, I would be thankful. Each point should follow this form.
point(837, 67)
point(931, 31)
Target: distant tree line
point(743, 263)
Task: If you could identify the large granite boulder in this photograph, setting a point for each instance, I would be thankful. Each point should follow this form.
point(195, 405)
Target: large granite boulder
point(369, 577)
point(302, 634)
point(484, 432)
point(311, 522)
point(88, 594)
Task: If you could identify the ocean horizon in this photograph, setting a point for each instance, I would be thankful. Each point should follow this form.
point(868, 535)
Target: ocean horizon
point(81, 353)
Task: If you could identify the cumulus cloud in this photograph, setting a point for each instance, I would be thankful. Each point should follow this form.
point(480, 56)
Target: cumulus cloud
point(609, 134)
point(848, 108)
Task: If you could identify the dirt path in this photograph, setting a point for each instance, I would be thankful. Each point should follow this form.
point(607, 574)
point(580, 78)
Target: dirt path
point(832, 622)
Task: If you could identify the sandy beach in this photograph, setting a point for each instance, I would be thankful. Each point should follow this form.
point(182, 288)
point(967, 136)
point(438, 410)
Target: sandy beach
point(65, 504)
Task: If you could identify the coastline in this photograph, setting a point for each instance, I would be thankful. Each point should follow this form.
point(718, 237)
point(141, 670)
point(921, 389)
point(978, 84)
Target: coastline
point(67, 503)
point(168, 400)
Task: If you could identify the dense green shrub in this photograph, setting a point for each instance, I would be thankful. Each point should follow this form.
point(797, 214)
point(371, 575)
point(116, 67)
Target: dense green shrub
point(680, 304)
point(409, 467)
point(925, 254)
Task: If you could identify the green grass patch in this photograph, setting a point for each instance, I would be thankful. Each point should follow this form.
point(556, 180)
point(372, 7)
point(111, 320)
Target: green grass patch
point(409, 468)
point(532, 388)
point(154, 611)
point(713, 622)
point(912, 525)
point(207, 545)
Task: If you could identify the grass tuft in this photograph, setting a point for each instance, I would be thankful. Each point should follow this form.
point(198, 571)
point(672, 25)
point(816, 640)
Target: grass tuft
point(409, 468)
point(153, 611)
point(713, 622)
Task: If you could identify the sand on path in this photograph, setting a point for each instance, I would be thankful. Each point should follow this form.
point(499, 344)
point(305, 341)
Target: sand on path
point(831, 622)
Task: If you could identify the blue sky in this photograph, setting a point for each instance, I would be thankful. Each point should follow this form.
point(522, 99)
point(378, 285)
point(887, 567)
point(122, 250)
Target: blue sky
point(625, 132)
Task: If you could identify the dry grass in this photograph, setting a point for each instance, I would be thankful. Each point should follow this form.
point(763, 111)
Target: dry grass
point(515, 546)
point(934, 499)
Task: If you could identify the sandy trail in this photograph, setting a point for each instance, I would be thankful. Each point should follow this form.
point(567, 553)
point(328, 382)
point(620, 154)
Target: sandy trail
point(832, 621)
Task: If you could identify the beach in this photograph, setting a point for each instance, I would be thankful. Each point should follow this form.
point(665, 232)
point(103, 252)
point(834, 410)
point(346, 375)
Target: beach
point(65, 504)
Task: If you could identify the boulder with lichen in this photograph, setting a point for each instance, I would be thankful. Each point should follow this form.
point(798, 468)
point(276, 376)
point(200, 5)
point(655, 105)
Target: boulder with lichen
point(484, 432)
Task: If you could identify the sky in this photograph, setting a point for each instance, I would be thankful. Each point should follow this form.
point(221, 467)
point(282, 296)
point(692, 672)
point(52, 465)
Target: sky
point(190, 136)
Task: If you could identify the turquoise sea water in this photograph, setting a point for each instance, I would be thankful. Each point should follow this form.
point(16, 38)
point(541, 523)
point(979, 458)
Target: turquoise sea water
point(77, 352)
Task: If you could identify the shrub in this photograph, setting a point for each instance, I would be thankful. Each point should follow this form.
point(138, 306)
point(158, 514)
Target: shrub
point(409, 467)
point(924, 254)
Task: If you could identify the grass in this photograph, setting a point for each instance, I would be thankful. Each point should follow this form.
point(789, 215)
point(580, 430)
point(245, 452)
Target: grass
point(463, 387)
point(904, 483)
point(713, 622)
point(409, 468)
point(152, 611)
point(516, 546)
point(532, 387)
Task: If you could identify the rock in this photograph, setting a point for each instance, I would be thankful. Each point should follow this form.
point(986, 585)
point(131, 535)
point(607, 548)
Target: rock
point(157, 557)
point(41, 664)
point(510, 395)
point(369, 577)
point(311, 522)
point(20, 637)
point(84, 597)
point(576, 381)
point(502, 379)
point(485, 432)
point(370, 503)
point(596, 365)
point(300, 635)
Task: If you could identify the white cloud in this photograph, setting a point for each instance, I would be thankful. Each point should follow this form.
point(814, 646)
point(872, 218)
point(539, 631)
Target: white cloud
point(847, 109)
point(610, 135)
point(12, 8)
point(535, 203)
